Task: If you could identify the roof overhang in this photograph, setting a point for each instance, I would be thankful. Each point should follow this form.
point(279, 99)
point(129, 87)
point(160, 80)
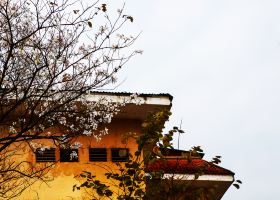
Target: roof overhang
point(183, 171)
point(207, 177)
point(138, 108)
point(219, 184)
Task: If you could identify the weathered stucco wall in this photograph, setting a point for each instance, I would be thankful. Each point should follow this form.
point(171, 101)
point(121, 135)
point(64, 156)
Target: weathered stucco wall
point(63, 174)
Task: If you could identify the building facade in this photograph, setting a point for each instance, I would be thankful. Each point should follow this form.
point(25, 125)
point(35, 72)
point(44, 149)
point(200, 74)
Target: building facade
point(96, 156)
point(100, 156)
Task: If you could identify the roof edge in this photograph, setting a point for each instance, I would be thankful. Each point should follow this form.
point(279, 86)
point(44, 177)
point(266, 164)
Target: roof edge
point(130, 93)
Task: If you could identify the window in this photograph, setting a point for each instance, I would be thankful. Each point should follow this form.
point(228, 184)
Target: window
point(98, 154)
point(119, 155)
point(46, 155)
point(69, 155)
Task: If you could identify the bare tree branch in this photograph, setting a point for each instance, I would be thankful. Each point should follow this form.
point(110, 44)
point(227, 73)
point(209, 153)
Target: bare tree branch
point(52, 54)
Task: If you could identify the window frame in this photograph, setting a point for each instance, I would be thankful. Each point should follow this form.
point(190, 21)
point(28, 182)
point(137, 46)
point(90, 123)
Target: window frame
point(63, 158)
point(119, 158)
point(47, 155)
point(95, 156)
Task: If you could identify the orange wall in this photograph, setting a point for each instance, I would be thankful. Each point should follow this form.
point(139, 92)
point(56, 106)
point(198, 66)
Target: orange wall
point(60, 187)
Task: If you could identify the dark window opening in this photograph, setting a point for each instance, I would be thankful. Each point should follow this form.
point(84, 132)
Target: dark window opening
point(119, 154)
point(98, 154)
point(69, 155)
point(45, 155)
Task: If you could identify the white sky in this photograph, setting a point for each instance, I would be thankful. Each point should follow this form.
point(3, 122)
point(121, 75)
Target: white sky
point(220, 59)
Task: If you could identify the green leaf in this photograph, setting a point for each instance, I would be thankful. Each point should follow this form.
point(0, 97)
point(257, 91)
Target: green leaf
point(130, 18)
point(108, 193)
point(238, 181)
point(181, 131)
point(236, 186)
point(137, 153)
point(130, 172)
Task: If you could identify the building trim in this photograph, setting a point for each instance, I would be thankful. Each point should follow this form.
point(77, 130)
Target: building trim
point(227, 178)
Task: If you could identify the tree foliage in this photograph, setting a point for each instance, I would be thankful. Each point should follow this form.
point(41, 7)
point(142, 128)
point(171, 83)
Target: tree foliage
point(130, 181)
point(52, 54)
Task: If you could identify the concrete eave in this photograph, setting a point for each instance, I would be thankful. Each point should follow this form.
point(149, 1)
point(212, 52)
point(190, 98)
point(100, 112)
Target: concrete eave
point(218, 183)
point(138, 108)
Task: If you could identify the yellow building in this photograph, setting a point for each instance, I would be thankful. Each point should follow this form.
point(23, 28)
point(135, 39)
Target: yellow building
point(100, 156)
point(95, 156)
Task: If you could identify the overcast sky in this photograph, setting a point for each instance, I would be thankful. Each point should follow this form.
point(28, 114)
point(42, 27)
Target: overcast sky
point(220, 59)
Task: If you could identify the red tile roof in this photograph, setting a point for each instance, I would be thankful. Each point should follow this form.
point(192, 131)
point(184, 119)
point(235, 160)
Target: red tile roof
point(182, 166)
